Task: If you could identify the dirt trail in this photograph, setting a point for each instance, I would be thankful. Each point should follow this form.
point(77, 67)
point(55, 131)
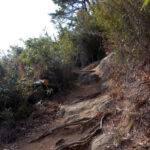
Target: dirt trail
point(90, 117)
point(77, 103)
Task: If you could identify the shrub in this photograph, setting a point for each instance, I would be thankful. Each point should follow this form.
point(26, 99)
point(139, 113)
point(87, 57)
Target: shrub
point(126, 26)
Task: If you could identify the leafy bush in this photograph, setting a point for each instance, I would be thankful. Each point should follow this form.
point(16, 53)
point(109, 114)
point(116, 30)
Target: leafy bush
point(88, 36)
point(126, 26)
point(51, 58)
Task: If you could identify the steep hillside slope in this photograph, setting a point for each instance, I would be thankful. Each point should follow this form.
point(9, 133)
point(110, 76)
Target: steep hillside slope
point(98, 113)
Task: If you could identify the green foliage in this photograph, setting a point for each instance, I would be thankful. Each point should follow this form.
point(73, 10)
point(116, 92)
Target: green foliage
point(16, 51)
point(146, 2)
point(68, 10)
point(85, 33)
point(36, 48)
point(47, 55)
point(125, 25)
point(66, 44)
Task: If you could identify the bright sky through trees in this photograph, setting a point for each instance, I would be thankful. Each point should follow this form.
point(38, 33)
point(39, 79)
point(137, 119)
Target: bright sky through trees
point(21, 19)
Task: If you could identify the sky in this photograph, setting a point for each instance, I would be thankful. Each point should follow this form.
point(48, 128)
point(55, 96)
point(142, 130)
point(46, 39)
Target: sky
point(22, 19)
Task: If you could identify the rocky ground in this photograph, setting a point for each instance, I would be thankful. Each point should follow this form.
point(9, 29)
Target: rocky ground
point(95, 114)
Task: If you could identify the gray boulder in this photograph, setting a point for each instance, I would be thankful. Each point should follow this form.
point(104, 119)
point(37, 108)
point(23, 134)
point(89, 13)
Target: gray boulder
point(104, 86)
point(100, 142)
point(106, 65)
point(86, 77)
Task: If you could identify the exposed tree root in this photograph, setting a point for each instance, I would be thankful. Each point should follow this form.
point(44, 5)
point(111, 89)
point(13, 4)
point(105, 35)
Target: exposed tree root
point(81, 122)
point(80, 142)
point(83, 141)
point(78, 122)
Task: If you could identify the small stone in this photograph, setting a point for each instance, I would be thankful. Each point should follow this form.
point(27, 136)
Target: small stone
point(104, 86)
point(101, 141)
point(61, 113)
